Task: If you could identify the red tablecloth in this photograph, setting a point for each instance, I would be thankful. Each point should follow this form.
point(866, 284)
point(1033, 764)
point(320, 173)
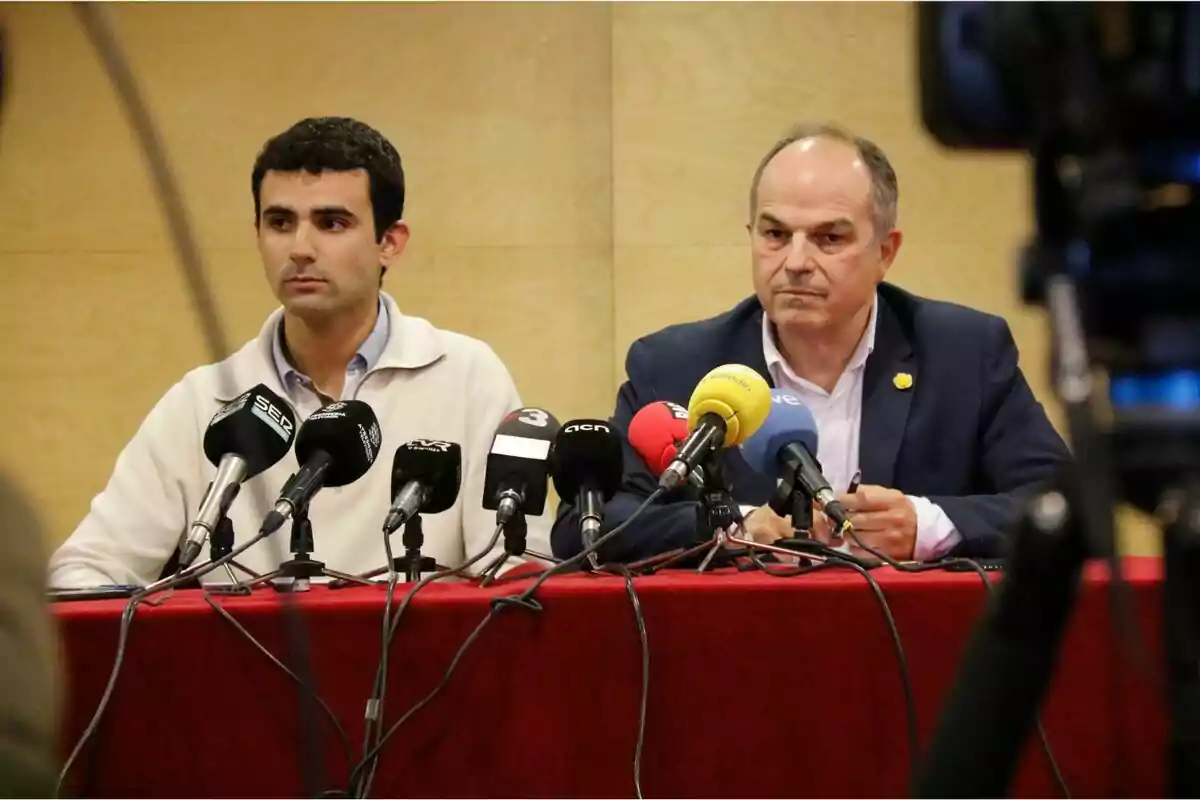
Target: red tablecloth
point(759, 686)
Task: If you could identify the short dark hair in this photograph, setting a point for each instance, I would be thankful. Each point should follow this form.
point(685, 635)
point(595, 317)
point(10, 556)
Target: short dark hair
point(885, 189)
point(340, 144)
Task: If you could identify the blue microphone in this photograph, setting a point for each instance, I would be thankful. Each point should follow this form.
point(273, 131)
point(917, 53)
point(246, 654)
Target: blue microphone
point(784, 447)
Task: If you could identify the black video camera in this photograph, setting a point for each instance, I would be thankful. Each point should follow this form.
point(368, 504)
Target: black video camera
point(1106, 99)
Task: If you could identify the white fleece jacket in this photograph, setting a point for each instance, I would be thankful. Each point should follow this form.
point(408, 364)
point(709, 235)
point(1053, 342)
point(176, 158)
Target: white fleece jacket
point(428, 383)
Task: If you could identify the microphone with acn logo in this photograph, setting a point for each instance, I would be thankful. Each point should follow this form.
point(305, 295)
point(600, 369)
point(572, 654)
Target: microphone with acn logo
point(585, 465)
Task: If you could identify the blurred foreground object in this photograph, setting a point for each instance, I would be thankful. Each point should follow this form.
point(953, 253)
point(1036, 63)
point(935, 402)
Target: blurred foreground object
point(1105, 98)
point(28, 669)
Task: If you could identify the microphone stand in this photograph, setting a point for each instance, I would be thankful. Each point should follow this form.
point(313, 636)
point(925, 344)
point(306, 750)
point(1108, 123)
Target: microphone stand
point(720, 515)
point(295, 574)
point(220, 544)
point(542, 556)
point(412, 563)
point(515, 532)
point(790, 500)
point(716, 508)
point(800, 512)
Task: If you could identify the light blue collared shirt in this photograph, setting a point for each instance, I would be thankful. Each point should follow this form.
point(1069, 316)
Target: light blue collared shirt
point(364, 360)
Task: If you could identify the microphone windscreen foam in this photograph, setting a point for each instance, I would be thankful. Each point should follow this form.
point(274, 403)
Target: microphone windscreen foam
point(790, 421)
point(735, 393)
point(436, 464)
point(258, 425)
point(349, 432)
point(656, 431)
point(587, 452)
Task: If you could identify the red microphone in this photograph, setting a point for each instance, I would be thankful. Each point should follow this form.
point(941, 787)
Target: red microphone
point(656, 431)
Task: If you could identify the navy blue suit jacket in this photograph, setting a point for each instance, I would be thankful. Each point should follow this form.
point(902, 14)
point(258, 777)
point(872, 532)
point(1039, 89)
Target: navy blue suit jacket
point(969, 434)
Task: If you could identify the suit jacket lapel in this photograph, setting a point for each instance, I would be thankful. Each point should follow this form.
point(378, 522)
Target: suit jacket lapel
point(885, 404)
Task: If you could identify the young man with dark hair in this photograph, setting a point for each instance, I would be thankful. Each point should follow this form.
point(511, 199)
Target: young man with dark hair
point(329, 202)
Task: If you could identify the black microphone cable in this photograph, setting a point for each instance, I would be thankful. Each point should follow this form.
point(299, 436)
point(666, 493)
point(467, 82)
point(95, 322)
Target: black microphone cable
point(525, 600)
point(375, 706)
point(371, 717)
point(333, 720)
point(942, 565)
point(98, 715)
point(835, 559)
point(644, 640)
point(163, 589)
point(195, 278)
point(373, 755)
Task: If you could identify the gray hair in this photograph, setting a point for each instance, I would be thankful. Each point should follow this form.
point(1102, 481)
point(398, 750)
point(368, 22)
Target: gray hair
point(885, 191)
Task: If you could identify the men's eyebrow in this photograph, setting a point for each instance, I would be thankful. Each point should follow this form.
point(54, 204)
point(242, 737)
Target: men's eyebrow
point(840, 222)
point(341, 211)
point(278, 210)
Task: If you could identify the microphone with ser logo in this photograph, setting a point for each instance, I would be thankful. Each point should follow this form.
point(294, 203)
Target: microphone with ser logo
point(248, 436)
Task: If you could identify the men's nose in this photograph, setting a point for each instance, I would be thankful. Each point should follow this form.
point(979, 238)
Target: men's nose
point(798, 257)
point(303, 251)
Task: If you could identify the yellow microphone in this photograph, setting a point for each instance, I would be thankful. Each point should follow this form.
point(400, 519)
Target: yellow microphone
point(727, 407)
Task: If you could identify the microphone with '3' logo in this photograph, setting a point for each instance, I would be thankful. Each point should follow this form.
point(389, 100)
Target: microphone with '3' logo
point(518, 464)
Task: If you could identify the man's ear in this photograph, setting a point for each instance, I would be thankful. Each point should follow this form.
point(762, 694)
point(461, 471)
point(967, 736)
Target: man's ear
point(888, 249)
point(394, 240)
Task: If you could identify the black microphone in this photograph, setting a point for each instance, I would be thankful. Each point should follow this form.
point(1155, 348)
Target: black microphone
point(517, 464)
point(247, 436)
point(426, 475)
point(335, 446)
point(586, 466)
